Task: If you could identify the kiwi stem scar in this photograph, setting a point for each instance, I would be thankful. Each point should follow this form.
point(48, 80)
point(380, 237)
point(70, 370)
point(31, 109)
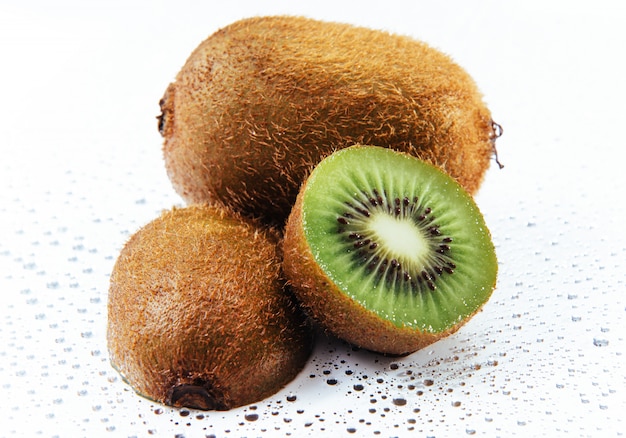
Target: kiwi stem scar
point(496, 132)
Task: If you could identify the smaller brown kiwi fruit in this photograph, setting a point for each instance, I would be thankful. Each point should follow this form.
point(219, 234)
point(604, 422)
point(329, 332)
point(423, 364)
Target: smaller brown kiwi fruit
point(198, 315)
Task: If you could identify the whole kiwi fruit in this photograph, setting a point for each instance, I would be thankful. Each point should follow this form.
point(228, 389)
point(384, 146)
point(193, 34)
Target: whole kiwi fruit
point(386, 251)
point(198, 315)
point(261, 101)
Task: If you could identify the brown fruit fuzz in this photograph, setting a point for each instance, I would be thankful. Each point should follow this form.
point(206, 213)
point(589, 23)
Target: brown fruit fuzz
point(198, 315)
point(262, 101)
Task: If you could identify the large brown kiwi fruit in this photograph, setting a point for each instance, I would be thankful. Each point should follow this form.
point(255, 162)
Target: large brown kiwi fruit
point(198, 315)
point(261, 101)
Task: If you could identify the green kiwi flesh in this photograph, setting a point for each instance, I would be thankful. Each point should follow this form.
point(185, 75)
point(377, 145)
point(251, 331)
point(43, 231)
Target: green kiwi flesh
point(399, 248)
point(198, 315)
point(262, 100)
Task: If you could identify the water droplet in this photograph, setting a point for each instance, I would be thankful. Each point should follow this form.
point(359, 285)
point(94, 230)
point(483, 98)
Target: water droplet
point(358, 387)
point(251, 417)
point(399, 401)
point(331, 381)
point(429, 382)
point(600, 342)
point(291, 398)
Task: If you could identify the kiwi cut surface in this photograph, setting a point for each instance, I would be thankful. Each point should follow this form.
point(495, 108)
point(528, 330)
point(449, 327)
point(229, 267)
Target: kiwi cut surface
point(261, 101)
point(198, 315)
point(387, 251)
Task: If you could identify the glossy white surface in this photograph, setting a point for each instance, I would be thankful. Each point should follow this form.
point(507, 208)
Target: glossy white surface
point(81, 169)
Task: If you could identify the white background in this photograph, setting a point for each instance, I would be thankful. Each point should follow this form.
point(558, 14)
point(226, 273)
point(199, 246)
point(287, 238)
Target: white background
point(81, 169)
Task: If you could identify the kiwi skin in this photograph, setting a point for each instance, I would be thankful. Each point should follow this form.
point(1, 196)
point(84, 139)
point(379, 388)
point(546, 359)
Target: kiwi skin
point(334, 310)
point(261, 101)
point(198, 315)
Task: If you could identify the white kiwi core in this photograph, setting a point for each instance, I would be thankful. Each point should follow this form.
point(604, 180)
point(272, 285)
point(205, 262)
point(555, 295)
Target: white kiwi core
point(400, 236)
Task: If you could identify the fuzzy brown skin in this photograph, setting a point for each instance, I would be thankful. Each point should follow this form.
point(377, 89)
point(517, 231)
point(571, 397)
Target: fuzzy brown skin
point(198, 315)
point(261, 101)
point(334, 310)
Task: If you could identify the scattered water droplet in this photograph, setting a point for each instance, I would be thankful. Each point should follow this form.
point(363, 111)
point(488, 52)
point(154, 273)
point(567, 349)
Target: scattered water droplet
point(399, 401)
point(600, 342)
point(251, 417)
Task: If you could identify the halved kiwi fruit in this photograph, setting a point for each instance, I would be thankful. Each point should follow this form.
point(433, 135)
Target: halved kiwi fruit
point(261, 101)
point(198, 315)
point(387, 251)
